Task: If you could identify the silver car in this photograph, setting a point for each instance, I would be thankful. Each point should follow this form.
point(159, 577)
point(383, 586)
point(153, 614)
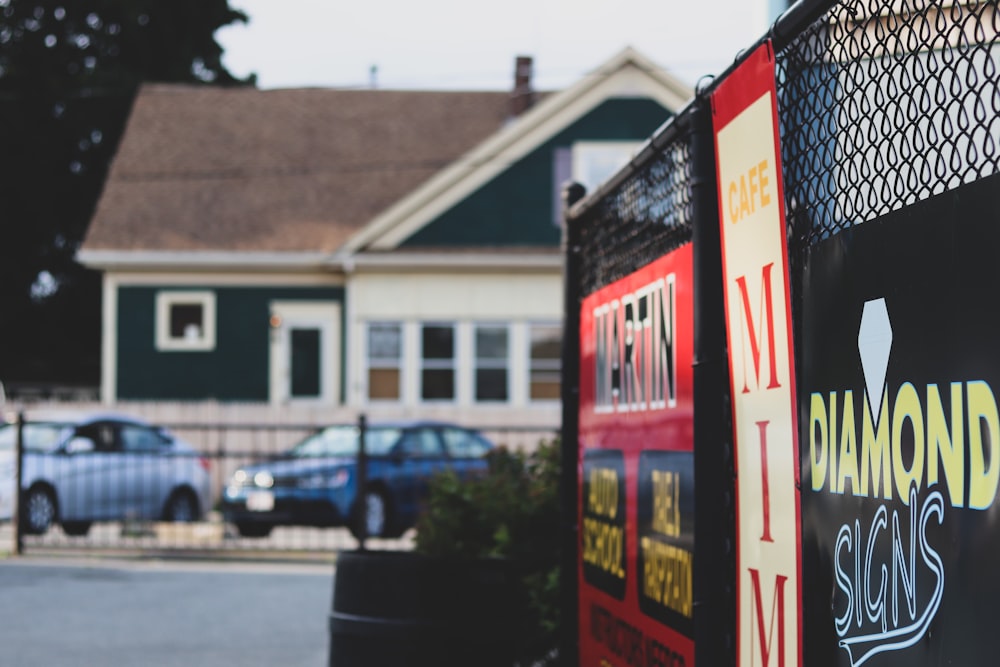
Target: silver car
point(89, 467)
point(6, 483)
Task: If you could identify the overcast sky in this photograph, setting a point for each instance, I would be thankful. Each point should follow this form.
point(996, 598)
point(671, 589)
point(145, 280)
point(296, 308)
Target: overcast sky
point(471, 44)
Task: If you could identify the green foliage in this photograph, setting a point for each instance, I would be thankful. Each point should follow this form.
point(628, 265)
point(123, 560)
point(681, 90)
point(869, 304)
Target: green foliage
point(511, 512)
point(68, 75)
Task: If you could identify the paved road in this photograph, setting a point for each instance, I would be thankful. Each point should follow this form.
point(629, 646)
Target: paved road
point(100, 613)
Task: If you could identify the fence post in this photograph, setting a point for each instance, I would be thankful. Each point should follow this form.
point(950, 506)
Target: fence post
point(570, 390)
point(362, 483)
point(18, 544)
point(715, 525)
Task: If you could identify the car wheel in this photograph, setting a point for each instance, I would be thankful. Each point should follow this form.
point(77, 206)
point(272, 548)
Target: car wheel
point(181, 507)
point(253, 529)
point(39, 511)
point(376, 516)
point(76, 528)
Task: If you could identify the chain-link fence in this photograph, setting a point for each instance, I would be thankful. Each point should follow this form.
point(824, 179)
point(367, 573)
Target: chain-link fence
point(96, 482)
point(883, 105)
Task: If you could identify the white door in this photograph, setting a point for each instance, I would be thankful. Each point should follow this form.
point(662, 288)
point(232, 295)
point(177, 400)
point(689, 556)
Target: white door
point(305, 352)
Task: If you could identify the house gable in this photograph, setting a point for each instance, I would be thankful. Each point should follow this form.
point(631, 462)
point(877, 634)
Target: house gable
point(628, 75)
point(516, 207)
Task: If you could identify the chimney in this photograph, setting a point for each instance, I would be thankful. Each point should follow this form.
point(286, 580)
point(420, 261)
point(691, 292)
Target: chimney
point(522, 97)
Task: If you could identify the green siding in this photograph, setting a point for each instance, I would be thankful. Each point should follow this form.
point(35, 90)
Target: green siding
point(515, 208)
point(236, 370)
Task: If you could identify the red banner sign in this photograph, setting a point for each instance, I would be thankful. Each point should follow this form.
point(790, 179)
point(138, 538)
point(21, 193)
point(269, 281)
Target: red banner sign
point(636, 496)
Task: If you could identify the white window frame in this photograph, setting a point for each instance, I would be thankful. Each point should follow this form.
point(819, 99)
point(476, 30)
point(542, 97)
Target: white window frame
point(596, 161)
point(384, 362)
point(452, 364)
point(557, 365)
point(492, 363)
point(165, 300)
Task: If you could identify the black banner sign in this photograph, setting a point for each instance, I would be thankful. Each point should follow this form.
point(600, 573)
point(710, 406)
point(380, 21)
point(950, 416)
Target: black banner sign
point(666, 538)
point(603, 531)
point(900, 437)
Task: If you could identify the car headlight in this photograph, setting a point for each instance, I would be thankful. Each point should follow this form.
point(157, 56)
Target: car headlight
point(240, 478)
point(334, 480)
point(263, 479)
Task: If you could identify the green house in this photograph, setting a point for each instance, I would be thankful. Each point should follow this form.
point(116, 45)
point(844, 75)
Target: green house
point(393, 251)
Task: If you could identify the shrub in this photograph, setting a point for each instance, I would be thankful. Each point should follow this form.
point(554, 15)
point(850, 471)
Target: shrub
point(511, 512)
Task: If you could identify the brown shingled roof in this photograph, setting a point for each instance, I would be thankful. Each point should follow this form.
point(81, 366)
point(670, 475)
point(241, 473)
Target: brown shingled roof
point(221, 169)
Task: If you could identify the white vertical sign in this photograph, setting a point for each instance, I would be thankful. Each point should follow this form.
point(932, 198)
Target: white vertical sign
point(761, 367)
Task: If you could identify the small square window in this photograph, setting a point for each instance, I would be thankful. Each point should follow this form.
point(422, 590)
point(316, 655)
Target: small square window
point(185, 321)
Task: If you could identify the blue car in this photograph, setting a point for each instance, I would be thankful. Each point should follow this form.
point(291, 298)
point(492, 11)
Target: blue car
point(316, 482)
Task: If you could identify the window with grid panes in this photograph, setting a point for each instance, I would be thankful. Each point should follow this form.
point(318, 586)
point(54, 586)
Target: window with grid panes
point(437, 362)
point(492, 361)
point(385, 359)
point(545, 361)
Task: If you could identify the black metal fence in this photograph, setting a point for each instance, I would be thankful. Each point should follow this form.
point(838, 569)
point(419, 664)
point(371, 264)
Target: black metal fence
point(127, 488)
point(882, 104)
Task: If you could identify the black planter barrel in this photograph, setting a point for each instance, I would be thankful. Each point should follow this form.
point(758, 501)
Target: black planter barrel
point(396, 609)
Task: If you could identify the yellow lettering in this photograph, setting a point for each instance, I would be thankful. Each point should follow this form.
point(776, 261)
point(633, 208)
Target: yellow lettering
point(734, 211)
point(984, 472)
point(908, 441)
point(666, 503)
point(950, 447)
point(667, 575)
point(818, 441)
point(745, 208)
point(907, 408)
point(765, 198)
point(602, 498)
point(751, 190)
point(848, 463)
point(604, 546)
point(875, 452)
point(833, 442)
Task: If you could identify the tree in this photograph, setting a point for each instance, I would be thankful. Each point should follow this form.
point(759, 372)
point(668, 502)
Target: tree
point(69, 72)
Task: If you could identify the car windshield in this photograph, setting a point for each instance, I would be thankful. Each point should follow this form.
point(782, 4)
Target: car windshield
point(38, 437)
point(343, 441)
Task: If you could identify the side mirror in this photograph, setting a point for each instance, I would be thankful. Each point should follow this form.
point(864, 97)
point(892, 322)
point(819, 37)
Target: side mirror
point(80, 445)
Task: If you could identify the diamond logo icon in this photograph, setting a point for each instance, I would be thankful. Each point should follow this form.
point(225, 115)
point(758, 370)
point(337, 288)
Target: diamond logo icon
point(874, 345)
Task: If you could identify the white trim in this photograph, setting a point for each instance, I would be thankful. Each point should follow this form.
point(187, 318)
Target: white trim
point(464, 392)
point(217, 279)
point(196, 260)
point(332, 271)
point(628, 74)
point(354, 346)
point(519, 364)
point(109, 340)
point(411, 363)
point(324, 315)
point(204, 340)
point(438, 261)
